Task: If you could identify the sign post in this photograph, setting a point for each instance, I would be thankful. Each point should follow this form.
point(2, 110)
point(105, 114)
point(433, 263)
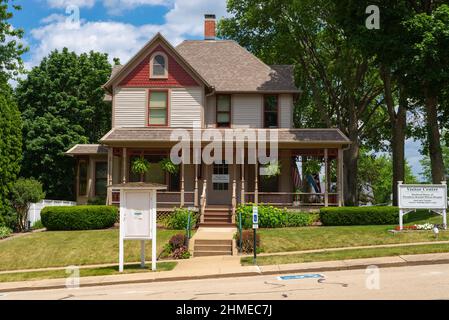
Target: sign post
point(255, 227)
point(422, 196)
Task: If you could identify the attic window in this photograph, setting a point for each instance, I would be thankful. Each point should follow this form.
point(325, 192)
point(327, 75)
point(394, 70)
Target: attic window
point(158, 65)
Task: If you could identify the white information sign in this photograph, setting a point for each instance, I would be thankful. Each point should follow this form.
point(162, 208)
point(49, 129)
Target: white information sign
point(138, 222)
point(220, 178)
point(255, 217)
point(422, 196)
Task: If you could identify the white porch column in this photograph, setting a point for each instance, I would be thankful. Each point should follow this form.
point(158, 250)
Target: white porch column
point(182, 184)
point(326, 178)
point(124, 164)
point(340, 177)
point(110, 163)
point(196, 187)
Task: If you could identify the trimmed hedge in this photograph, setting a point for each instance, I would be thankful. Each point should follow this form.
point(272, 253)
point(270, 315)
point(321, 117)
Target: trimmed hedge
point(351, 216)
point(272, 217)
point(87, 217)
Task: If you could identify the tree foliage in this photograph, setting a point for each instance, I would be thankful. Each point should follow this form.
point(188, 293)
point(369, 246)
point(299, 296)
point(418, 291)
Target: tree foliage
point(23, 193)
point(11, 48)
point(10, 143)
point(62, 104)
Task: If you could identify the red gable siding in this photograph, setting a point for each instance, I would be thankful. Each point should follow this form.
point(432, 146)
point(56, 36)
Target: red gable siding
point(140, 76)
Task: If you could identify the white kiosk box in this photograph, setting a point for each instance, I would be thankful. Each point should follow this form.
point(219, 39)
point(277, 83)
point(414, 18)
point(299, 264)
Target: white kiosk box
point(422, 196)
point(138, 217)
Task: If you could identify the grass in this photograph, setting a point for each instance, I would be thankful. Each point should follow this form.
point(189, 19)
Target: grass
point(347, 254)
point(85, 272)
point(64, 248)
point(308, 238)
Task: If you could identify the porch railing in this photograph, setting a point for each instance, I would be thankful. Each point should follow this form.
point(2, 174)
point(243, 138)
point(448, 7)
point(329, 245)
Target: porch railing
point(164, 198)
point(293, 199)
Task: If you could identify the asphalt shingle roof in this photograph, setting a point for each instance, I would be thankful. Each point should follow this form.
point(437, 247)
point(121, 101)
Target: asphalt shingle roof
point(229, 67)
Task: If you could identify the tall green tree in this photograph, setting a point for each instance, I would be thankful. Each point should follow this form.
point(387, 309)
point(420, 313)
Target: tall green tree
point(62, 104)
point(10, 144)
point(11, 48)
point(340, 87)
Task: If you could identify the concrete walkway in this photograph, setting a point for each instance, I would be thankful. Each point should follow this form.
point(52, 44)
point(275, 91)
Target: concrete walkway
point(213, 267)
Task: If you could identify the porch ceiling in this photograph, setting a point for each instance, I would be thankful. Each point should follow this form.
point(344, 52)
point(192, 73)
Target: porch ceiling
point(120, 136)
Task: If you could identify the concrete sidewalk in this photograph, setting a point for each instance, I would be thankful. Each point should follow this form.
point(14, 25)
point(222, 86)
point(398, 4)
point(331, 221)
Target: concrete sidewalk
point(229, 266)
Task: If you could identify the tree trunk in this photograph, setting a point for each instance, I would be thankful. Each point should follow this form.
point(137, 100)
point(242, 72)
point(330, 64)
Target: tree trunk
point(397, 147)
point(398, 121)
point(433, 139)
point(350, 159)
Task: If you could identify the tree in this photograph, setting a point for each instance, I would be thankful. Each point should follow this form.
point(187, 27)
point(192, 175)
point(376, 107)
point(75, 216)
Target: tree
point(427, 167)
point(62, 104)
point(10, 50)
point(23, 193)
point(10, 143)
point(340, 87)
point(375, 179)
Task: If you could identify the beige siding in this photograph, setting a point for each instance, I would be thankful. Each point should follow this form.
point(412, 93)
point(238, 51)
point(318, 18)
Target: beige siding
point(210, 111)
point(185, 107)
point(129, 107)
point(247, 110)
point(286, 110)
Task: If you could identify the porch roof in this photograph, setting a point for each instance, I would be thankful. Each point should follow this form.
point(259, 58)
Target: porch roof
point(300, 136)
point(139, 186)
point(87, 149)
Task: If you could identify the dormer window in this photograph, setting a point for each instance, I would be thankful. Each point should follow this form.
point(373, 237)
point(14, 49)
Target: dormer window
point(158, 65)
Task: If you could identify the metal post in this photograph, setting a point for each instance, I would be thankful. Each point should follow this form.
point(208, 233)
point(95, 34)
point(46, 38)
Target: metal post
point(142, 253)
point(240, 231)
point(255, 247)
point(444, 219)
point(154, 233)
point(401, 213)
point(122, 226)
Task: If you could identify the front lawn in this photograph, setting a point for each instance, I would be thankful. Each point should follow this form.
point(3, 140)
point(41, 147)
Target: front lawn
point(308, 238)
point(64, 248)
point(85, 272)
point(347, 254)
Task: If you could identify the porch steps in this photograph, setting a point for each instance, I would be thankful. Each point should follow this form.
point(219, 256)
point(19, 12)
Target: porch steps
point(217, 216)
point(205, 248)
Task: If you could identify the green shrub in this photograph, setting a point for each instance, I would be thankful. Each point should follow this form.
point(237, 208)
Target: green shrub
point(178, 219)
point(350, 216)
point(79, 217)
point(272, 217)
point(4, 232)
point(300, 219)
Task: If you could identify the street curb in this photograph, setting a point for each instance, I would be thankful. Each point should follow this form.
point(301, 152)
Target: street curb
point(237, 274)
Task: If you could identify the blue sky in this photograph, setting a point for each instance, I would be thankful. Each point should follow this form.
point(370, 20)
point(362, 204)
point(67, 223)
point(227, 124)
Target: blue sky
point(120, 28)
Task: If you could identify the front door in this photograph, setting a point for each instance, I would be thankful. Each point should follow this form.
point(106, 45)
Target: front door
point(219, 188)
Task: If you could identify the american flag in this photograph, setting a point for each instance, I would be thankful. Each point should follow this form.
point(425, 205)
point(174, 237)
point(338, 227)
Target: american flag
point(296, 177)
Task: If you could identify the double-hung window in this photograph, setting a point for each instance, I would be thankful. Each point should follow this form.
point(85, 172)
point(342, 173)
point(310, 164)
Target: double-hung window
point(158, 104)
point(271, 111)
point(223, 110)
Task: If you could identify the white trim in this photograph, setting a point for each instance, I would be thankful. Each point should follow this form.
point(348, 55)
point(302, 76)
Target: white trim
point(151, 74)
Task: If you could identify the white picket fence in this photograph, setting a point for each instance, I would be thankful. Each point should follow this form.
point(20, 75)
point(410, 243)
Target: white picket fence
point(34, 213)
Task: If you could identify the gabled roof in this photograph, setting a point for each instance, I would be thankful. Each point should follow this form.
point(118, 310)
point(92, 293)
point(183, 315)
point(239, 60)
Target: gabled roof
point(229, 67)
point(118, 71)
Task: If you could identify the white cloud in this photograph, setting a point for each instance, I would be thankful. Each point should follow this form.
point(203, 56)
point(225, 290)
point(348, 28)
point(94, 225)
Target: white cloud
point(122, 40)
point(65, 3)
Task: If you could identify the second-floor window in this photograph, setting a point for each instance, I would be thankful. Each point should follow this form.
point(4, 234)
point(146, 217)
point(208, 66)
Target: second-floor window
point(223, 110)
point(270, 111)
point(158, 105)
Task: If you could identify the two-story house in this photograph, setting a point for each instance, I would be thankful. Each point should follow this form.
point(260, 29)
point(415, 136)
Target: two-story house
point(209, 85)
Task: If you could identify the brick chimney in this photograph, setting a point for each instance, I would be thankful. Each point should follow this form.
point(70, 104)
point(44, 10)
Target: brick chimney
point(209, 27)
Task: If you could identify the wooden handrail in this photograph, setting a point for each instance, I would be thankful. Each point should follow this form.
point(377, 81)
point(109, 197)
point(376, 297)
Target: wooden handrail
point(203, 201)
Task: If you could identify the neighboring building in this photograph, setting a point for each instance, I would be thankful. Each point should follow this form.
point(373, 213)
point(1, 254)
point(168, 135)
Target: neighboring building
point(208, 84)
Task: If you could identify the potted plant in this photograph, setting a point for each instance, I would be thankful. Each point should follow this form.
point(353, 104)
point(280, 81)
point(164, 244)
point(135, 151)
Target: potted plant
point(271, 169)
point(168, 166)
point(140, 166)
